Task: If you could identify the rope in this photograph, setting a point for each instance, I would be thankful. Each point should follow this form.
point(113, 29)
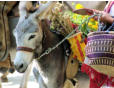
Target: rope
point(49, 50)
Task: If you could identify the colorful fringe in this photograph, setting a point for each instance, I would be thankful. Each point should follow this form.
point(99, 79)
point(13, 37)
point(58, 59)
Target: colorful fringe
point(97, 79)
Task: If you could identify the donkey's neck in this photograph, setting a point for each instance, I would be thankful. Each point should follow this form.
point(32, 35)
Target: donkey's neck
point(50, 39)
point(51, 66)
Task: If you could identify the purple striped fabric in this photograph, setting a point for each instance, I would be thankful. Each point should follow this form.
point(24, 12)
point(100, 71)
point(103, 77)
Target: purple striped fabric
point(100, 37)
point(96, 55)
point(100, 44)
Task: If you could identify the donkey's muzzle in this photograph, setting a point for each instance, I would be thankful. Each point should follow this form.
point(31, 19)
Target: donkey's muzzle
point(20, 68)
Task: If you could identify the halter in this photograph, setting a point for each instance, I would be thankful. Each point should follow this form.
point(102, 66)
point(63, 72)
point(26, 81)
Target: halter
point(25, 49)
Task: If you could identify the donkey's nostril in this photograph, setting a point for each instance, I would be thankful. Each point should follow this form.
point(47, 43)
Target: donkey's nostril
point(21, 66)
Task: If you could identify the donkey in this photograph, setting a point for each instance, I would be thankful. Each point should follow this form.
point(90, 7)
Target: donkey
point(33, 37)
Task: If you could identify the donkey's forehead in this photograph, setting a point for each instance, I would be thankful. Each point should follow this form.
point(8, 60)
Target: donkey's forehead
point(26, 26)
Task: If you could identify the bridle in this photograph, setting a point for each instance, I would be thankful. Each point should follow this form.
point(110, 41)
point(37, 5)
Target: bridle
point(25, 49)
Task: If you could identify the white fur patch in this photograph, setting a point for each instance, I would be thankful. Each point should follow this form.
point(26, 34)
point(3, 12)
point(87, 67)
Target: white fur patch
point(23, 57)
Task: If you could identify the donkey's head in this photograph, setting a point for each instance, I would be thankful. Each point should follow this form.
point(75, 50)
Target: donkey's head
point(28, 35)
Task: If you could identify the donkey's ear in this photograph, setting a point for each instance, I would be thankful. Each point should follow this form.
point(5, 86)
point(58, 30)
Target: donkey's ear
point(44, 10)
point(24, 6)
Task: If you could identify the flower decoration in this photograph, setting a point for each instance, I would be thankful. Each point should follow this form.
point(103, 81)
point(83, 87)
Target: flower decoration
point(79, 6)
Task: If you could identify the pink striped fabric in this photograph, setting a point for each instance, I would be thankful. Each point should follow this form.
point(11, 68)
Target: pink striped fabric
point(108, 7)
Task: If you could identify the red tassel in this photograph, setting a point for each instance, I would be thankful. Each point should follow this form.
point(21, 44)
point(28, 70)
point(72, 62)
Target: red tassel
point(99, 79)
point(96, 79)
point(110, 82)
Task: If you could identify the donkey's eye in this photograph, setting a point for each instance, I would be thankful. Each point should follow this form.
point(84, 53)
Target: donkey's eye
point(31, 37)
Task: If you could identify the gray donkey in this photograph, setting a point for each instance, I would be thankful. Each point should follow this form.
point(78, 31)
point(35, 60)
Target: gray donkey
point(33, 37)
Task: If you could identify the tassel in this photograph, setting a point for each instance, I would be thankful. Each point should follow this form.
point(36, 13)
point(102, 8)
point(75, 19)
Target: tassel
point(96, 79)
point(110, 82)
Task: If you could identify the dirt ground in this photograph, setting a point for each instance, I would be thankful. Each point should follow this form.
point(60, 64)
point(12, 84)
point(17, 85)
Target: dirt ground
point(15, 79)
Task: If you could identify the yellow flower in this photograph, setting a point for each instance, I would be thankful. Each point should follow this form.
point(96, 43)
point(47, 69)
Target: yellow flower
point(96, 23)
point(74, 16)
point(89, 24)
point(95, 27)
point(79, 6)
point(92, 20)
point(83, 17)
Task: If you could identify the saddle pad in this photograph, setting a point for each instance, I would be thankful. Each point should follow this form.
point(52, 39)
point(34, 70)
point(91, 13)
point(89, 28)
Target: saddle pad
point(78, 46)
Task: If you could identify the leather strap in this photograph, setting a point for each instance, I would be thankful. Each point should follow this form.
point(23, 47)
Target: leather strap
point(25, 49)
